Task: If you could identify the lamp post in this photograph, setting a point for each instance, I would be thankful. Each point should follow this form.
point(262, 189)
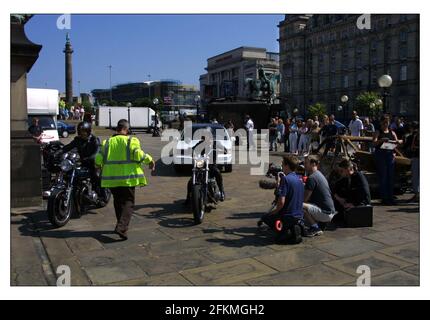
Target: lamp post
point(128, 112)
point(344, 99)
point(339, 109)
point(385, 82)
point(110, 81)
point(197, 101)
point(149, 85)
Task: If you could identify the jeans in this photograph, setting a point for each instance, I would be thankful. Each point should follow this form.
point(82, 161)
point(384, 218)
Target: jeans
point(385, 169)
point(273, 144)
point(293, 142)
point(303, 143)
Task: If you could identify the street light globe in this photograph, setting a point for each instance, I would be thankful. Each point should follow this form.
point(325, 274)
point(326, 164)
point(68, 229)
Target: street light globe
point(128, 104)
point(385, 81)
point(378, 102)
point(296, 110)
point(339, 108)
point(344, 98)
point(372, 105)
point(155, 101)
point(197, 98)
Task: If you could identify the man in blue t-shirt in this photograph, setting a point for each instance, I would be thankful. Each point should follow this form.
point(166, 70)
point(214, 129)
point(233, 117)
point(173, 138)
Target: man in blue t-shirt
point(290, 194)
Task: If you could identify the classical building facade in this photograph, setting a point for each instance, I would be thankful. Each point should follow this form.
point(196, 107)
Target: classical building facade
point(326, 56)
point(227, 72)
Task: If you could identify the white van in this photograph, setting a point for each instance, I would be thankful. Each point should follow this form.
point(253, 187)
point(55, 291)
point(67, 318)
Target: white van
point(43, 104)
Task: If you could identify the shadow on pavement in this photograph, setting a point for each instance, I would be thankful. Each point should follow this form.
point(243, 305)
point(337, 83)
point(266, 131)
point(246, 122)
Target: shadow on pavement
point(37, 225)
point(248, 237)
point(164, 211)
point(246, 215)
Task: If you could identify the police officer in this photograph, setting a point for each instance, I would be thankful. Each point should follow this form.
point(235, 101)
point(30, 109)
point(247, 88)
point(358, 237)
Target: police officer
point(121, 158)
point(87, 146)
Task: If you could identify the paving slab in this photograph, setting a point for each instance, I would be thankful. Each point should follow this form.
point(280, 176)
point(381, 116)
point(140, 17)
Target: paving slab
point(318, 275)
point(396, 278)
point(227, 273)
point(377, 262)
point(154, 265)
point(223, 254)
point(167, 279)
point(394, 237)
point(349, 246)
point(294, 258)
point(408, 252)
point(115, 272)
point(414, 270)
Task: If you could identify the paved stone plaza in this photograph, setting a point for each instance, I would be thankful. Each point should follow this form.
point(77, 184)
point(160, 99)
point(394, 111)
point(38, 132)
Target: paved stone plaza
point(165, 248)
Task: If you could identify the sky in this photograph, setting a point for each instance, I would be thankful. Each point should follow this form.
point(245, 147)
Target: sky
point(162, 46)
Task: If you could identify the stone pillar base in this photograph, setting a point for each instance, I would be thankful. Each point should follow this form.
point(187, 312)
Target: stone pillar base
point(26, 184)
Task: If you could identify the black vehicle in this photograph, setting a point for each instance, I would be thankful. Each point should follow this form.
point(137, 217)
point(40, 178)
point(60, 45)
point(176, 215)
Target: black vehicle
point(72, 193)
point(204, 189)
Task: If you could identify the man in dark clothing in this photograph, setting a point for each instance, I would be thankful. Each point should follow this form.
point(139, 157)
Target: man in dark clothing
point(358, 192)
point(35, 129)
point(328, 132)
point(87, 145)
point(290, 195)
point(214, 172)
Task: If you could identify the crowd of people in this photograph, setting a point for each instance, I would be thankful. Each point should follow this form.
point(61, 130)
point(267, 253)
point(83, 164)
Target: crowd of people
point(386, 136)
point(74, 113)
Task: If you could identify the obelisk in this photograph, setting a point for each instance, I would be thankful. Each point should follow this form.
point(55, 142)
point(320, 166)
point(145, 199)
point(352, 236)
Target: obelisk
point(69, 77)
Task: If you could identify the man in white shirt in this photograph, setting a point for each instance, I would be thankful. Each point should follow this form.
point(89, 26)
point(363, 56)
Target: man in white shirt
point(355, 125)
point(249, 125)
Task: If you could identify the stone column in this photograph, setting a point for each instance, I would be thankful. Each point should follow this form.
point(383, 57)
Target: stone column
point(26, 187)
point(68, 51)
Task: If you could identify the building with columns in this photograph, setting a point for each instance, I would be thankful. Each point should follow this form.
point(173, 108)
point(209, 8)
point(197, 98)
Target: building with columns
point(326, 56)
point(227, 72)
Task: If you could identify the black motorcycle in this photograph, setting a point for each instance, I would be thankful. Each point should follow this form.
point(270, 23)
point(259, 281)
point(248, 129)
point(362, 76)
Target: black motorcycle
point(51, 160)
point(204, 189)
point(73, 194)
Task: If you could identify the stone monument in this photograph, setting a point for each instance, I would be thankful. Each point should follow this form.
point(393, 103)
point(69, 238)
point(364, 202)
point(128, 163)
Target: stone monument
point(68, 51)
point(25, 153)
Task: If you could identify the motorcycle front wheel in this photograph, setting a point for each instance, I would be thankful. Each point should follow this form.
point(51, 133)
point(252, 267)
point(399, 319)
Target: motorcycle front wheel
point(59, 213)
point(197, 203)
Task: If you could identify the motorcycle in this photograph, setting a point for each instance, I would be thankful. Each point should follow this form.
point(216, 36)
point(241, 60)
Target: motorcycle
point(51, 160)
point(204, 189)
point(72, 193)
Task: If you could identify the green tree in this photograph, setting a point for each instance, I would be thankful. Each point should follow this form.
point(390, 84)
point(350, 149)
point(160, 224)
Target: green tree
point(317, 109)
point(366, 104)
point(88, 107)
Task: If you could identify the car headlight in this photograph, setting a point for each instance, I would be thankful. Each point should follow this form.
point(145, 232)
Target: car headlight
point(66, 165)
point(200, 163)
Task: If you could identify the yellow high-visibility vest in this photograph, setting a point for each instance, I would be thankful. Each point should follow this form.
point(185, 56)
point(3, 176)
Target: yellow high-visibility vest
point(121, 159)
